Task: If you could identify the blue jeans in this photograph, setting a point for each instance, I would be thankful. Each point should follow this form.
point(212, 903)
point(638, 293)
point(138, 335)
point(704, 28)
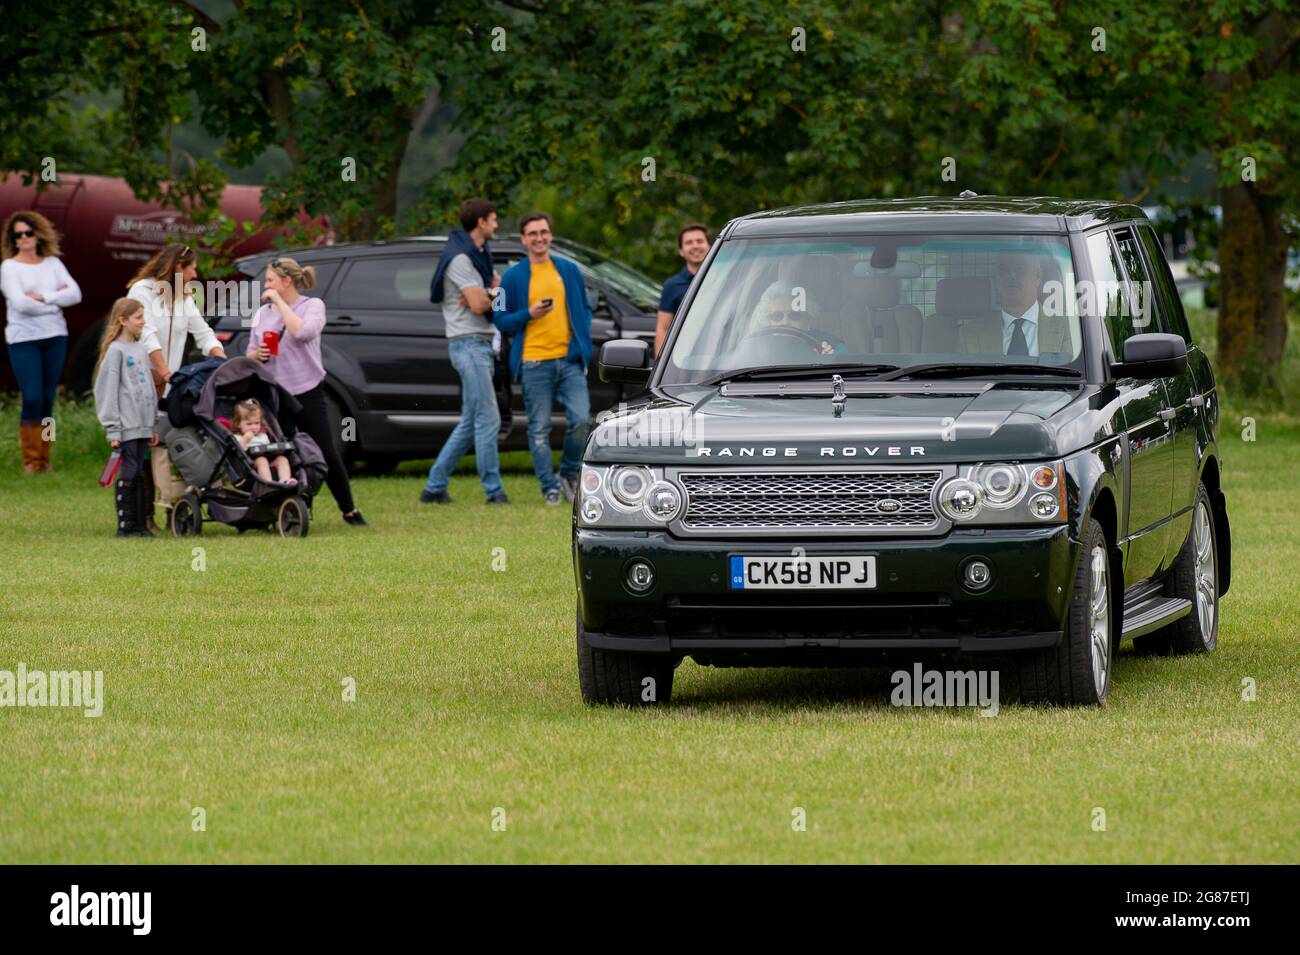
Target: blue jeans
point(480, 419)
point(37, 366)
point(546, 382)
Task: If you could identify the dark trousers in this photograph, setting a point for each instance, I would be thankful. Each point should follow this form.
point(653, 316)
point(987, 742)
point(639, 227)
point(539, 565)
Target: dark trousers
point(315, 420)
point(135, 460)
point(37, 366)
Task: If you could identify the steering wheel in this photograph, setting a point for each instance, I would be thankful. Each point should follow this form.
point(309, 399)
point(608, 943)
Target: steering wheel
point(814, 342)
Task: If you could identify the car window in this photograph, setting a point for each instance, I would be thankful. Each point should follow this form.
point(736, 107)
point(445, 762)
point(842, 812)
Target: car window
point(1146, 317)
point(388, 282)
point(1107, 297)
point(886, 299)
point(1170, 306)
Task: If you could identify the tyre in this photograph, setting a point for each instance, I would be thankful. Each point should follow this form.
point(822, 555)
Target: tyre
point(291, 519)
point(187, 516)
point(1076, 672)
point(626, 679)
point(1195, 578)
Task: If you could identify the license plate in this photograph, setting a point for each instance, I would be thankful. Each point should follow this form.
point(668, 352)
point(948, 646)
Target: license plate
point(802, 573)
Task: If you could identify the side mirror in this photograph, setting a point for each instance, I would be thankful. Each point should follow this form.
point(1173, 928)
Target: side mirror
point(1153, 355)
point(626, 360)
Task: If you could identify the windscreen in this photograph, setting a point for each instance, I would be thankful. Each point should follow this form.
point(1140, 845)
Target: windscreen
point(880, 300)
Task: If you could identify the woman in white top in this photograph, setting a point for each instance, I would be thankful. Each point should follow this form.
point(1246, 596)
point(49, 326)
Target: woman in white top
point(170, 313)
point(170, 316)
point(37, 288)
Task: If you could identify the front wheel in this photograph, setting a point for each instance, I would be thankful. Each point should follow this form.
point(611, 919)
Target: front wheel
point(623, 678)
point(291, 519)
point(1076, 672)
point(187, 516)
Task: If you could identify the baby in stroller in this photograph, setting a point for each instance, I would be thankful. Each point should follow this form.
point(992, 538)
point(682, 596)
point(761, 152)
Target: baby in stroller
point(250, 431)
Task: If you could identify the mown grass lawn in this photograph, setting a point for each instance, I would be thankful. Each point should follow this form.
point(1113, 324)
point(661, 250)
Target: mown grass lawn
point(224, 690)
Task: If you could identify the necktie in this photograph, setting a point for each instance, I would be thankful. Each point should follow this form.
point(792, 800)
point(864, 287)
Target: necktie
point(1019, 344)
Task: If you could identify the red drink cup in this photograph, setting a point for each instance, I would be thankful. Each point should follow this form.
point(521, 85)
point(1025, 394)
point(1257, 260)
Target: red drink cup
point(272, 342)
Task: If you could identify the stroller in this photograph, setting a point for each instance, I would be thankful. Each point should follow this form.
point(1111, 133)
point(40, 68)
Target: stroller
point(221, 473)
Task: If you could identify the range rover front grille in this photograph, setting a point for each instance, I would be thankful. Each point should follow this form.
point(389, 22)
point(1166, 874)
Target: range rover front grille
point(809, 500)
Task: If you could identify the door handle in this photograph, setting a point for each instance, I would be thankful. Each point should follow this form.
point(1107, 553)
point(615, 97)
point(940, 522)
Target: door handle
point(1167, 414)
point(343, 320)
point(1195, 402)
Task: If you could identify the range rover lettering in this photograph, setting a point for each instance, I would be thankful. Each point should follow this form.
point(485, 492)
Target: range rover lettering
point(880, 431)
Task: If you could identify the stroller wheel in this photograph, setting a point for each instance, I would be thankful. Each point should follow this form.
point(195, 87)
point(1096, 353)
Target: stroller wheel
point(292, 519)
point(187, 516)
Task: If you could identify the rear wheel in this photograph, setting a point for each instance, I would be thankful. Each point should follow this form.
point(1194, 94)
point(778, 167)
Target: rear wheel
point(1076, 672)
point(187, 516)
point(292, 519)
point(621, 678)
point(1195, 578)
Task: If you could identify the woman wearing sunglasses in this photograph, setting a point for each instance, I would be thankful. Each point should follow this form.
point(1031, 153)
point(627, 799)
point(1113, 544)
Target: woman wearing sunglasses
point(37, 288)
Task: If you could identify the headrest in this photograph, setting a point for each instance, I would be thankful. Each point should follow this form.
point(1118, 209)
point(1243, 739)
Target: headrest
point(964, 296)
point(880, 292)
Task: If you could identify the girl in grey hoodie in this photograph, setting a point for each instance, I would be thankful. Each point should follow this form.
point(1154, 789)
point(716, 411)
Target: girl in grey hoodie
point(127, 405)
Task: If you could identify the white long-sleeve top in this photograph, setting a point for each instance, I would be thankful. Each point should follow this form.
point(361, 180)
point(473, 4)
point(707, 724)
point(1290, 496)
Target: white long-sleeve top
point(28, 320)
point(165, 330)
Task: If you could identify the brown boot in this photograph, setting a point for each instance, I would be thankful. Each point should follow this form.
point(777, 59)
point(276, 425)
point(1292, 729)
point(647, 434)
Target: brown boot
point(29, 438)
point(42, 451)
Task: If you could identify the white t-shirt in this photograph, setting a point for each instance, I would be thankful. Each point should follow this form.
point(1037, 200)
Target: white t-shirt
point(28, 320)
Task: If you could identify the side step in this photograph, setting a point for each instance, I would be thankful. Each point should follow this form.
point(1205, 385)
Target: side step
point(1147, 609)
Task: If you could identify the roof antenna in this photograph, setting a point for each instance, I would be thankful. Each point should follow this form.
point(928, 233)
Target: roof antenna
point(967, 194)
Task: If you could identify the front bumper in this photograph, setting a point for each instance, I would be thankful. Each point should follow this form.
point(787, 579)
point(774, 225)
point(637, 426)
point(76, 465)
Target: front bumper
point(919, 602)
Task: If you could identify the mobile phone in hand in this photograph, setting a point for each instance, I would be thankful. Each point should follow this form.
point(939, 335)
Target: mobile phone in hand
point(548, 302)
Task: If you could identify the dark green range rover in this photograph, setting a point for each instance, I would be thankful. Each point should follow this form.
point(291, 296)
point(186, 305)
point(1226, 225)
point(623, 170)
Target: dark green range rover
point(885, 430)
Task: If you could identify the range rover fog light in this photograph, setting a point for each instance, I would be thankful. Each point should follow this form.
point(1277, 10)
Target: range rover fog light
point(961, 499)
point(1003, 484)
point(592, 510)
point(663, 502)
point(629, 485)
point(590, 480)
point(977, 575)
point(1044, 506)
point(640, 576)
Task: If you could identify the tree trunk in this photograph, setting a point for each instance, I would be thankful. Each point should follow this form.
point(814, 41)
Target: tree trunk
point(1252, 289)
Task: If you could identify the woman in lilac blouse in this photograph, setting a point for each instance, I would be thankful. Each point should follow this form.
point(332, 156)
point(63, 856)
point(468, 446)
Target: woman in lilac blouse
point(298, 320)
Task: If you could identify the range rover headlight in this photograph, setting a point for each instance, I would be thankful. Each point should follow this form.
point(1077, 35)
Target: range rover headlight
point(663, 502)
point(961, 499)
point(1004, 493)
point(626, 496)
point(629, 485)
point(1003, 484)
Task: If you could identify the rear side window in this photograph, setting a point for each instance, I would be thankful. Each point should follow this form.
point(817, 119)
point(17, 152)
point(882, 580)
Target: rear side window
point(1147, 317)
point(1167, 301)
point(1110, 297)
point(398, 282)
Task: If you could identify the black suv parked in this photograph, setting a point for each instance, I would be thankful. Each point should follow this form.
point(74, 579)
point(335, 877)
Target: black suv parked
point(886, 429)
point(385, 351)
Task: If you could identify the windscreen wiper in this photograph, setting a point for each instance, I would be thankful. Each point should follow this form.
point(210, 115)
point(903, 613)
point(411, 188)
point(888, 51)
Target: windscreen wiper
point(795, 372)
point(987, 368)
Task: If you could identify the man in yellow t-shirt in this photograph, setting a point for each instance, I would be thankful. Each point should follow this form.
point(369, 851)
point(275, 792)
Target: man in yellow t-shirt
point(548, 336)
point(543, 307)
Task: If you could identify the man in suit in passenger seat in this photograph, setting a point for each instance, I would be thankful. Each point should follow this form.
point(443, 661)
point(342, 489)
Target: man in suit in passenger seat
point(1022, 330)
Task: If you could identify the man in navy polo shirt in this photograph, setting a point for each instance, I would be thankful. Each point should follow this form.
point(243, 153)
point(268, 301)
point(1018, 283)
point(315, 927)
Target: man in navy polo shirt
point(693, 246)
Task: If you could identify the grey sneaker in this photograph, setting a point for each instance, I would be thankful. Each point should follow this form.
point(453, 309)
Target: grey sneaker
point(498, 498)
point(552, 498)
point(568, 487)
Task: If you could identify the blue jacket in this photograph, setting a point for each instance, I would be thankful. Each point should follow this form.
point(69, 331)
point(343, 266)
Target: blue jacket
point(512, 318)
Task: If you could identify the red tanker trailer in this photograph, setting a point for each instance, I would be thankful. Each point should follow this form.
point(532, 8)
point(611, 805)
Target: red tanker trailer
point(106, 233)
